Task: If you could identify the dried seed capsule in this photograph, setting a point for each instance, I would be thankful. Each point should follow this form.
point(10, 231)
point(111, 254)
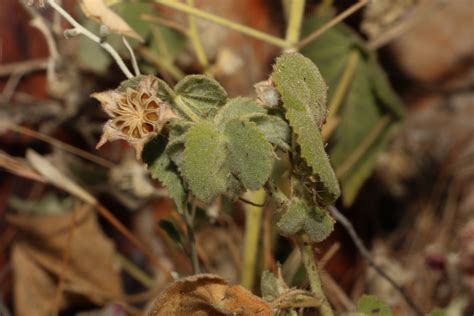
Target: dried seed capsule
point(137, 114)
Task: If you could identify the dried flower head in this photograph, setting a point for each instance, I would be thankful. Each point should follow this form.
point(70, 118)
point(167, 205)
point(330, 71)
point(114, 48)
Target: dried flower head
point(137, 114)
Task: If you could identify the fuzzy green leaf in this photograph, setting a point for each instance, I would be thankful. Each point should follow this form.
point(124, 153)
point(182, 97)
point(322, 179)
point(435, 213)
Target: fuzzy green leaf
point(250, 154)
point(165, 93)
point(303, 93)
point(373, 306)
point(201, 94)
point(162, 169)
point(301, 86)
point(274, 128)
point(237, 108)
point(300, 216)
point(204, 161)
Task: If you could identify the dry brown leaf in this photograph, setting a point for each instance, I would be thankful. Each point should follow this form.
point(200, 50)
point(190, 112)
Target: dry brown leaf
point(206, 295)
point(38, 261)
point(19, 167)
point(98, 11)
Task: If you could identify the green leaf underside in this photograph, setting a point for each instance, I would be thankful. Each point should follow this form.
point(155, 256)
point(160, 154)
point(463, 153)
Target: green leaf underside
point(249, 153)
point(304, 118)
point(373, 306)
point(162, 169)
point(204, 161)
point(274, 128)
point(300, 217)
point(203, 95)
point(237, 108)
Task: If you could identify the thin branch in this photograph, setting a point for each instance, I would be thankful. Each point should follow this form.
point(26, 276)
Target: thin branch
point(189, 221)
point(79, 29)
point(165, 22)
point(366, 254)
point(132, 56)
point(23, 67)
point(196, 40)
point(294, 22)
point(61, 145)
point(311, 37)
point(224, 22)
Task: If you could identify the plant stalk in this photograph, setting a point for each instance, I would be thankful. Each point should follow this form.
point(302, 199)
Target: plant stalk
point(196, 40)
point(311, 267)
point(189, 220)
point(294, 22)
point(224, 22)
point(253, 221)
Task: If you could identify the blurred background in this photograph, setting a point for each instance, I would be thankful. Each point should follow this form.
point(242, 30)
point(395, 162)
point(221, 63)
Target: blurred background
point(400, 74)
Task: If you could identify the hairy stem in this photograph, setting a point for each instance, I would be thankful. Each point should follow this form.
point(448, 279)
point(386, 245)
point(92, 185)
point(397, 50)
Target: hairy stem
point(311, 267)
point(253, 221)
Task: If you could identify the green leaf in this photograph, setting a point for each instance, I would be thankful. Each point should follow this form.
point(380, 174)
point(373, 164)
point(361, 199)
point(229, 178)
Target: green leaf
point(274, 128)
point(373, 306)
point(382, 89)
point(90, 55)
point(162, 169)
point(368, 99)
point(353, 180)
point(165, 93)
point(204, 161)
point(237, 108)
point(132, 14)
point(300, 216)
point(201, 95)
point(303, 93)
point(250, 154)
point(301, 86)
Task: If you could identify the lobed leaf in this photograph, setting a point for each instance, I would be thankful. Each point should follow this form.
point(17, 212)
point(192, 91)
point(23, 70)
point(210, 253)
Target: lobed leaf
point(237, 108)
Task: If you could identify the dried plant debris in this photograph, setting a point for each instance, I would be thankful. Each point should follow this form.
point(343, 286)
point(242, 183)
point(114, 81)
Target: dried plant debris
point(98, 11)
point(38, 260)
point(207, 294)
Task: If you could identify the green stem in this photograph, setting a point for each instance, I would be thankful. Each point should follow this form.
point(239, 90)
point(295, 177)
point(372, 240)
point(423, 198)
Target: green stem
point(253, 221)
point(294, 22)
point(311, 267)
point(134, 271)
point(196, 40)
point(224, 22)
point(189, 220)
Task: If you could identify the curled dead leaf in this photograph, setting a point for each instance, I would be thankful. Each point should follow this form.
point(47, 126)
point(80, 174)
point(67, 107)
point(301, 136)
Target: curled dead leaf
point(207, 294)
point(98, 11)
